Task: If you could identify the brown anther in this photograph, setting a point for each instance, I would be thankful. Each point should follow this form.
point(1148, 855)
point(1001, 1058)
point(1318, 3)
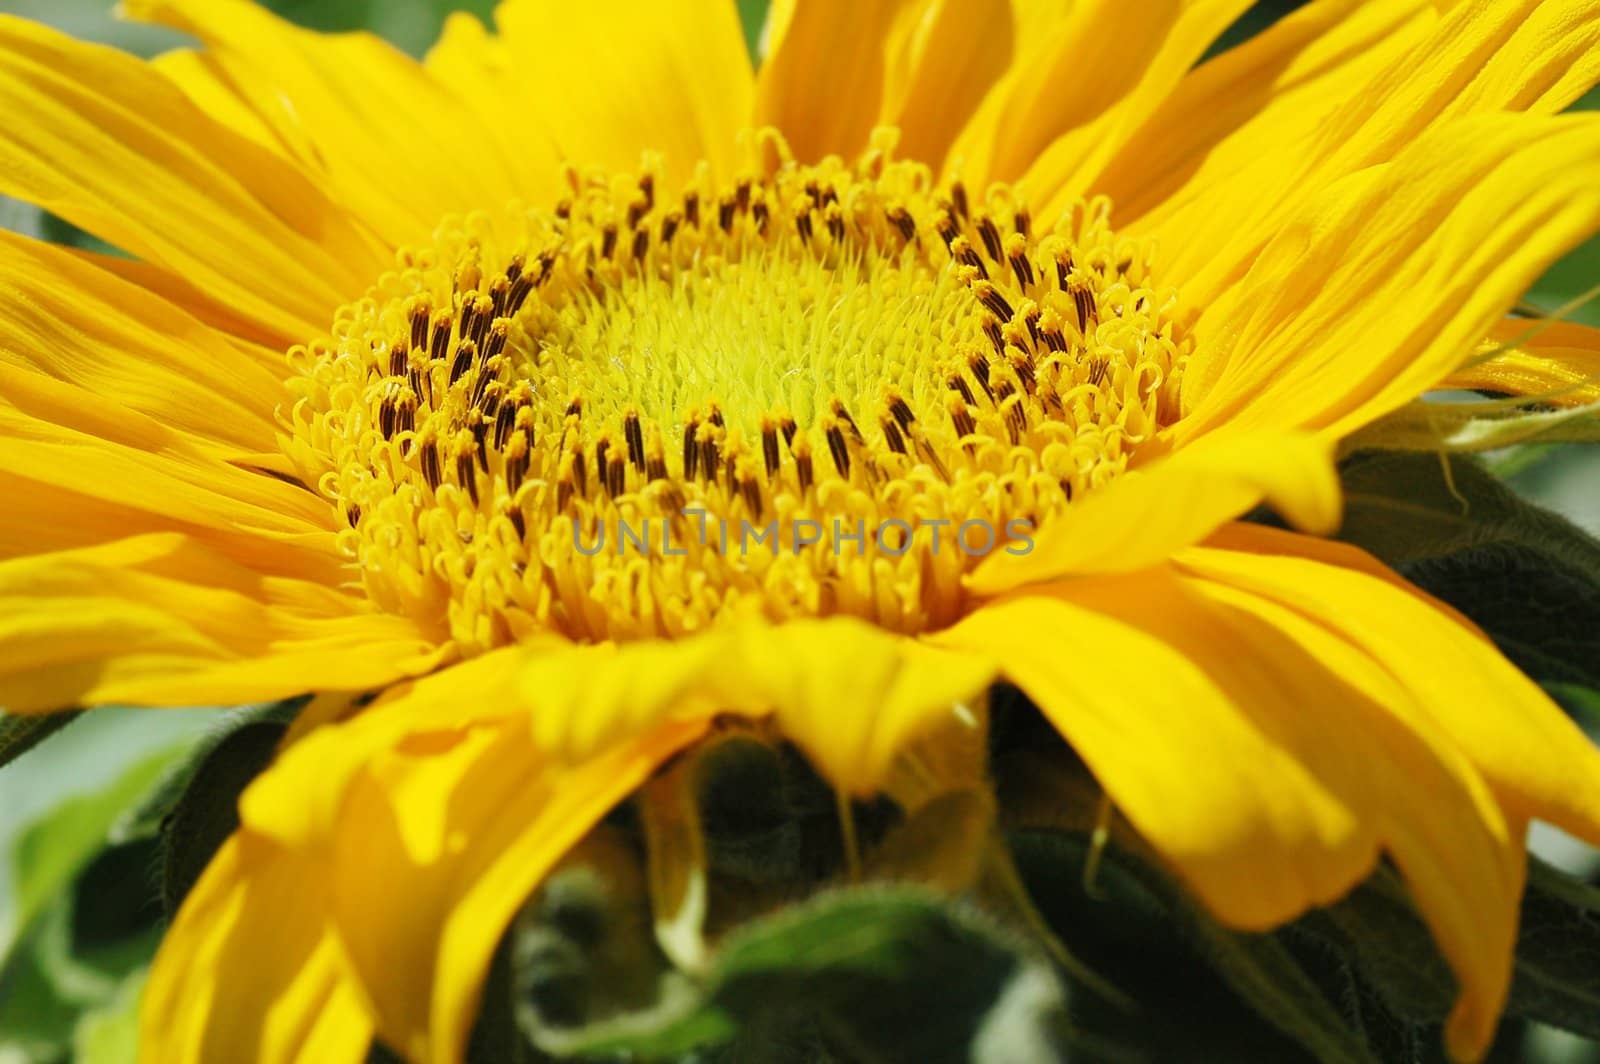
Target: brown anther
point(691, 448)
point(439, 345)
point(892, 436)
point(802, 225)
point(500, 294)
point(515, 267)
point(707, 442)
point(1098, 370)
point(633, 432)
point(669, 226)
point(641, 244)
point(837, 447)
point(647, 188)
point(636, 211)
point(480, 439)
point(715, 416)
point(962, 250)
point(352, 514)
point(836, 406)
point(1017, 255)
point(761, 213)
point(990, 297)
point(961, 418)
point(691, 208)
point(901, 219)
point(504, 421)
point(580, 471)
point(769, 445)
point(1023, 220)
point(518, 456)
point(466, 355)
point(803, 472)
point(901, 411)
point(421, 312)
point(990, 233)
point(996, 335)
point(608, 240)
point(741, 194)
point(399, 358)
point(834, 218)
point(498, 335)
point(564, 208)
point(725, 210)
point(750, 491)
point(429, 461)
point(616, 475)
point(980, 372)
point(518, 522)
point(1022, 366)
point(1083, 300)
point(958, 198)
point(789, 429)
point(948, 231)
point(958, 384)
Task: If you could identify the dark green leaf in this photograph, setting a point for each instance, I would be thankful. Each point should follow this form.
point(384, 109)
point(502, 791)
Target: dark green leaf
point(207, 813)
point(20, 733)
point(877, 973)
point(1529, 577)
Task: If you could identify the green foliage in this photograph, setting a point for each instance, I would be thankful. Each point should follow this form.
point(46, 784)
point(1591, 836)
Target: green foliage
point(1528, 576)
point(21, 733)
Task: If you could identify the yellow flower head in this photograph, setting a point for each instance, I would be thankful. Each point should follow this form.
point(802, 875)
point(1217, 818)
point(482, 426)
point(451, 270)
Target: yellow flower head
point(580, 388)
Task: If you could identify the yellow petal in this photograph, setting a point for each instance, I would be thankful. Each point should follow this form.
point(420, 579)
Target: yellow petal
point(125, 347)
point(1142, 517)
point(61, 439)
point(1538, 762)
point(107, 143)
point(158, 620)
point(1270, 91)
point(849, 694)
point(834, 46)
point(388, 143)
point(1555, 362)
point(673, 78)
point(1479, 58)
point(250, 969)
point(942, 57)
point(205, 81)
point(1384, 284)
point(1268, 763)
point(482, 73)
point(1099, 72)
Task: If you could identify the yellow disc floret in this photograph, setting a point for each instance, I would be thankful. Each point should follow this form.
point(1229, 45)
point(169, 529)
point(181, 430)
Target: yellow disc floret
point(824, 389)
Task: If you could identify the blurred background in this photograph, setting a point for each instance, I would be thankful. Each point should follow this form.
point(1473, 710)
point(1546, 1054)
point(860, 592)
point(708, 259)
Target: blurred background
point(70, 812)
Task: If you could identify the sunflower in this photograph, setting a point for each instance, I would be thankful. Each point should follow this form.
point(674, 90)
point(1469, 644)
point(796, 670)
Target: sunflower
point(587, 394)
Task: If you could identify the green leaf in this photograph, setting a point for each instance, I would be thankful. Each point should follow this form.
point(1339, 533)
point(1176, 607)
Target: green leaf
point(20, 733)
point(110, 1034)
point(1528, 577)
point(872, 973)
point(48, 855)
point(207, 812)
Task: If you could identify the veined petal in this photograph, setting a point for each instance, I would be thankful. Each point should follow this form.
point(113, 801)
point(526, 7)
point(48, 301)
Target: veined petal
point(127, 348)
point(943, 56)
point(480, 70)
point(1266, 766)
point(109, 144)
point(202, 78)
point(250, 969)
point(832, 43)
point(1143, 516)
point(1268, 92)
point(1556, 362)
point(1482, 56)
point(1384, 284)
point(673, 78)
point(159, 620)
point(1066, 104)
point(1530, 752)
point(393, 147)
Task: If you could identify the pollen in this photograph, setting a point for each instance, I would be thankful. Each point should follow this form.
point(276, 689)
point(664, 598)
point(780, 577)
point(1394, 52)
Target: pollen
point(821, 389)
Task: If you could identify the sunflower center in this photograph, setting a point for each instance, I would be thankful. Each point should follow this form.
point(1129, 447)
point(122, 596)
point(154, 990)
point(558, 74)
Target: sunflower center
point(824, 389)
